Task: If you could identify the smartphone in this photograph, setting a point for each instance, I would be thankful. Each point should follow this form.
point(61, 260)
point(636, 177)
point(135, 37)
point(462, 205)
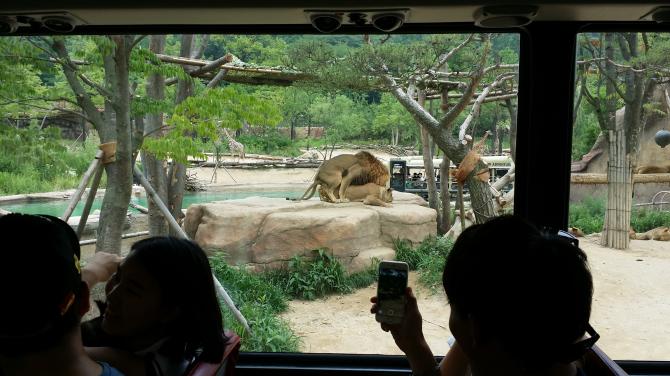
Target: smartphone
point(391, 291)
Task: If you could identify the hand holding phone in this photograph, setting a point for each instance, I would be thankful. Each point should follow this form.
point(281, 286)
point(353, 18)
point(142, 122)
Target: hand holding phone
point(391, 292)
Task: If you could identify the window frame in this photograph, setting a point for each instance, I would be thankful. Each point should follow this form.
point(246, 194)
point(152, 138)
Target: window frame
point(541, 196)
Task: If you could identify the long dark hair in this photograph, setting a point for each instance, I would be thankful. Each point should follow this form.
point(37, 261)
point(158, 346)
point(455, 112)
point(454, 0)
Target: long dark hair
point(182, 271)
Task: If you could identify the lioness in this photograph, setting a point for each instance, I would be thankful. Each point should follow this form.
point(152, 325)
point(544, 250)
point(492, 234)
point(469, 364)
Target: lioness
point(653, 169)
point(659, 233)
point(368, 194)
point(359, 169)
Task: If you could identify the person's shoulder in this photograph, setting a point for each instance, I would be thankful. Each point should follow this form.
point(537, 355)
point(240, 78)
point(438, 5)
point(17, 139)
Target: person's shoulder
point(108, 370)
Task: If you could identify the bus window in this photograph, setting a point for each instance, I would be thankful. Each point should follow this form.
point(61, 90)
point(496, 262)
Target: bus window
point(618, 201)
point(226, 127)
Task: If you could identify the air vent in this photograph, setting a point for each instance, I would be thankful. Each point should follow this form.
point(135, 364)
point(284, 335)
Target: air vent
point(56, 22)
point(505, 16)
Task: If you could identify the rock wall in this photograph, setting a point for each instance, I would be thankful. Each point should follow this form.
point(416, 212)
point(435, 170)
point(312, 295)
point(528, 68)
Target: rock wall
point(264, 232)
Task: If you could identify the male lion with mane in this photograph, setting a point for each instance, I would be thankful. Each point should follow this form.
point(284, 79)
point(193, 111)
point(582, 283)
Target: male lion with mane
point(344, 170)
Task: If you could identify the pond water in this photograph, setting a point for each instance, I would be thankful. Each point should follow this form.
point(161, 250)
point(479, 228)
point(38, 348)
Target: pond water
point(57, 208)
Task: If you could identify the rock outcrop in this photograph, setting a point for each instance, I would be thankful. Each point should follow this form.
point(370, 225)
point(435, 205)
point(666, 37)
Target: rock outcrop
point(267, 232)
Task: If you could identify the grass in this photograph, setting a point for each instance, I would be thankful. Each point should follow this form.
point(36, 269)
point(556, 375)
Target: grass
point(260, 302)
point(262, 297)
point(589, 216)
point(38, 160)
point(313, 277)
point(427, 258)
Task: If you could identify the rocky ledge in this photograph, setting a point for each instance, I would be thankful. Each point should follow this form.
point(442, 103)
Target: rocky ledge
point(264, 232)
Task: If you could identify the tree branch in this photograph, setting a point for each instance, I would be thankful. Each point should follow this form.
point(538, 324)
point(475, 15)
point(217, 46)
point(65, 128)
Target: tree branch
point(474, 112)
point(137, 40)
point(455, 110)
point(26, 103)
point(444, 58)
point(83, 98)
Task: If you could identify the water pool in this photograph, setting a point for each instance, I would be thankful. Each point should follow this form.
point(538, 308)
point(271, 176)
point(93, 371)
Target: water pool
point(57, 207)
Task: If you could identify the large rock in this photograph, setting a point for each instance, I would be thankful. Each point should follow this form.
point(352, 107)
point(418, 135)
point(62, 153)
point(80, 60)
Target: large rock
point(264, 232)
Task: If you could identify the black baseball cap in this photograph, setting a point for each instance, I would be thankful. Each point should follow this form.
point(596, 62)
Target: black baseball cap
point(40, 275)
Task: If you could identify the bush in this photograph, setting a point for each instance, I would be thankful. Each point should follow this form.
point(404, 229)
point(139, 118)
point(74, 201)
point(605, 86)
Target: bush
point(312, 278)
point(428, 258)
point(644, 220)
point(260, 302)
point(269, 142)
point(588, 215)
point(37, 160)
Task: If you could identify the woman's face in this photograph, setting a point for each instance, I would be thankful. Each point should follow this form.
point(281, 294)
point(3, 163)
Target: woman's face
point(134, 306)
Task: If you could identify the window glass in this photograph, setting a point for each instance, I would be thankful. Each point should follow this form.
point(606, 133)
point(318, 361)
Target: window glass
point(619, 187)
point(245, 121)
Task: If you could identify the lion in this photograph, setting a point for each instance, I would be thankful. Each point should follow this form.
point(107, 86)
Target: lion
point(653, 169)
point(659, 233)
point(576, 231)
point(368, 194)
point(347, 169)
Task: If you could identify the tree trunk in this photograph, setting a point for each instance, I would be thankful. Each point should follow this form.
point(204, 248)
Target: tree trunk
point(155, 169)
point(481, 199)
point(428, 163)
point(512, 127)
point(445, 197)
point(119, 173)
point(177, 174)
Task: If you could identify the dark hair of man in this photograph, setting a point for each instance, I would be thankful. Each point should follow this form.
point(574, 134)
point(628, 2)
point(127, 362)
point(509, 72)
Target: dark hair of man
point(530, 291)
point(33, 283)
point(183, 273)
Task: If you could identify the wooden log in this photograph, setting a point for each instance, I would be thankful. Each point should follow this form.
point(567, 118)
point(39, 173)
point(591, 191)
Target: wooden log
point(139, 208)
point(82, 185)
point(593, 178)
point(269, 164)
point(175, 226)
point(123, 236)
point(89, 200)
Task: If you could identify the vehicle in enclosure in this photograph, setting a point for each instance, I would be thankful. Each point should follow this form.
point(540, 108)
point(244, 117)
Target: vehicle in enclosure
point(408, 174)
point(547, 30)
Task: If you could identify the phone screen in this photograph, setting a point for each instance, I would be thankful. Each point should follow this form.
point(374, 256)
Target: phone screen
point(392, 284)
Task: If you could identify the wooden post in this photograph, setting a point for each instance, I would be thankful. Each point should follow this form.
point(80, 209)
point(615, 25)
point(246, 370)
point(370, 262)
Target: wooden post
point(95, 164)
point(175, 226)
point(89, 201)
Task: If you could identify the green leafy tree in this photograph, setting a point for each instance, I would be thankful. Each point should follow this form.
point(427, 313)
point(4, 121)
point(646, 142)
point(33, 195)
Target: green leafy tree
point(390, 119)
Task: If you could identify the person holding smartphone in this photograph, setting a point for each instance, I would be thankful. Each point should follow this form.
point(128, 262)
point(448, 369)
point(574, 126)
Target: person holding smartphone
point(520, 305)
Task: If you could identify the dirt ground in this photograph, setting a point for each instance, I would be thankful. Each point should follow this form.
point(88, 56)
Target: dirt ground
point(631, 309)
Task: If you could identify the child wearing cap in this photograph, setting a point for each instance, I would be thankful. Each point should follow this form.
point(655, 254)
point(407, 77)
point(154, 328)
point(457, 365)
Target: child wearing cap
point(43, 299)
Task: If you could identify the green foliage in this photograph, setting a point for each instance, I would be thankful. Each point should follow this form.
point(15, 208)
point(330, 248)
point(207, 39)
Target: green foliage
point(366, 277)
point(588, 215)
point(312, 278)
point(271, 141)
point(37, 160)
point(644, 220)
point(428, 258)
point(260, 302)
point(202, 116)
point(322, 274)
point(343, 117)
point(585, 132)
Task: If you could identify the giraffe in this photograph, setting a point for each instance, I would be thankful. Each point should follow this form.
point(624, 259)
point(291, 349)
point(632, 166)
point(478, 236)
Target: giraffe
point(236, 148)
